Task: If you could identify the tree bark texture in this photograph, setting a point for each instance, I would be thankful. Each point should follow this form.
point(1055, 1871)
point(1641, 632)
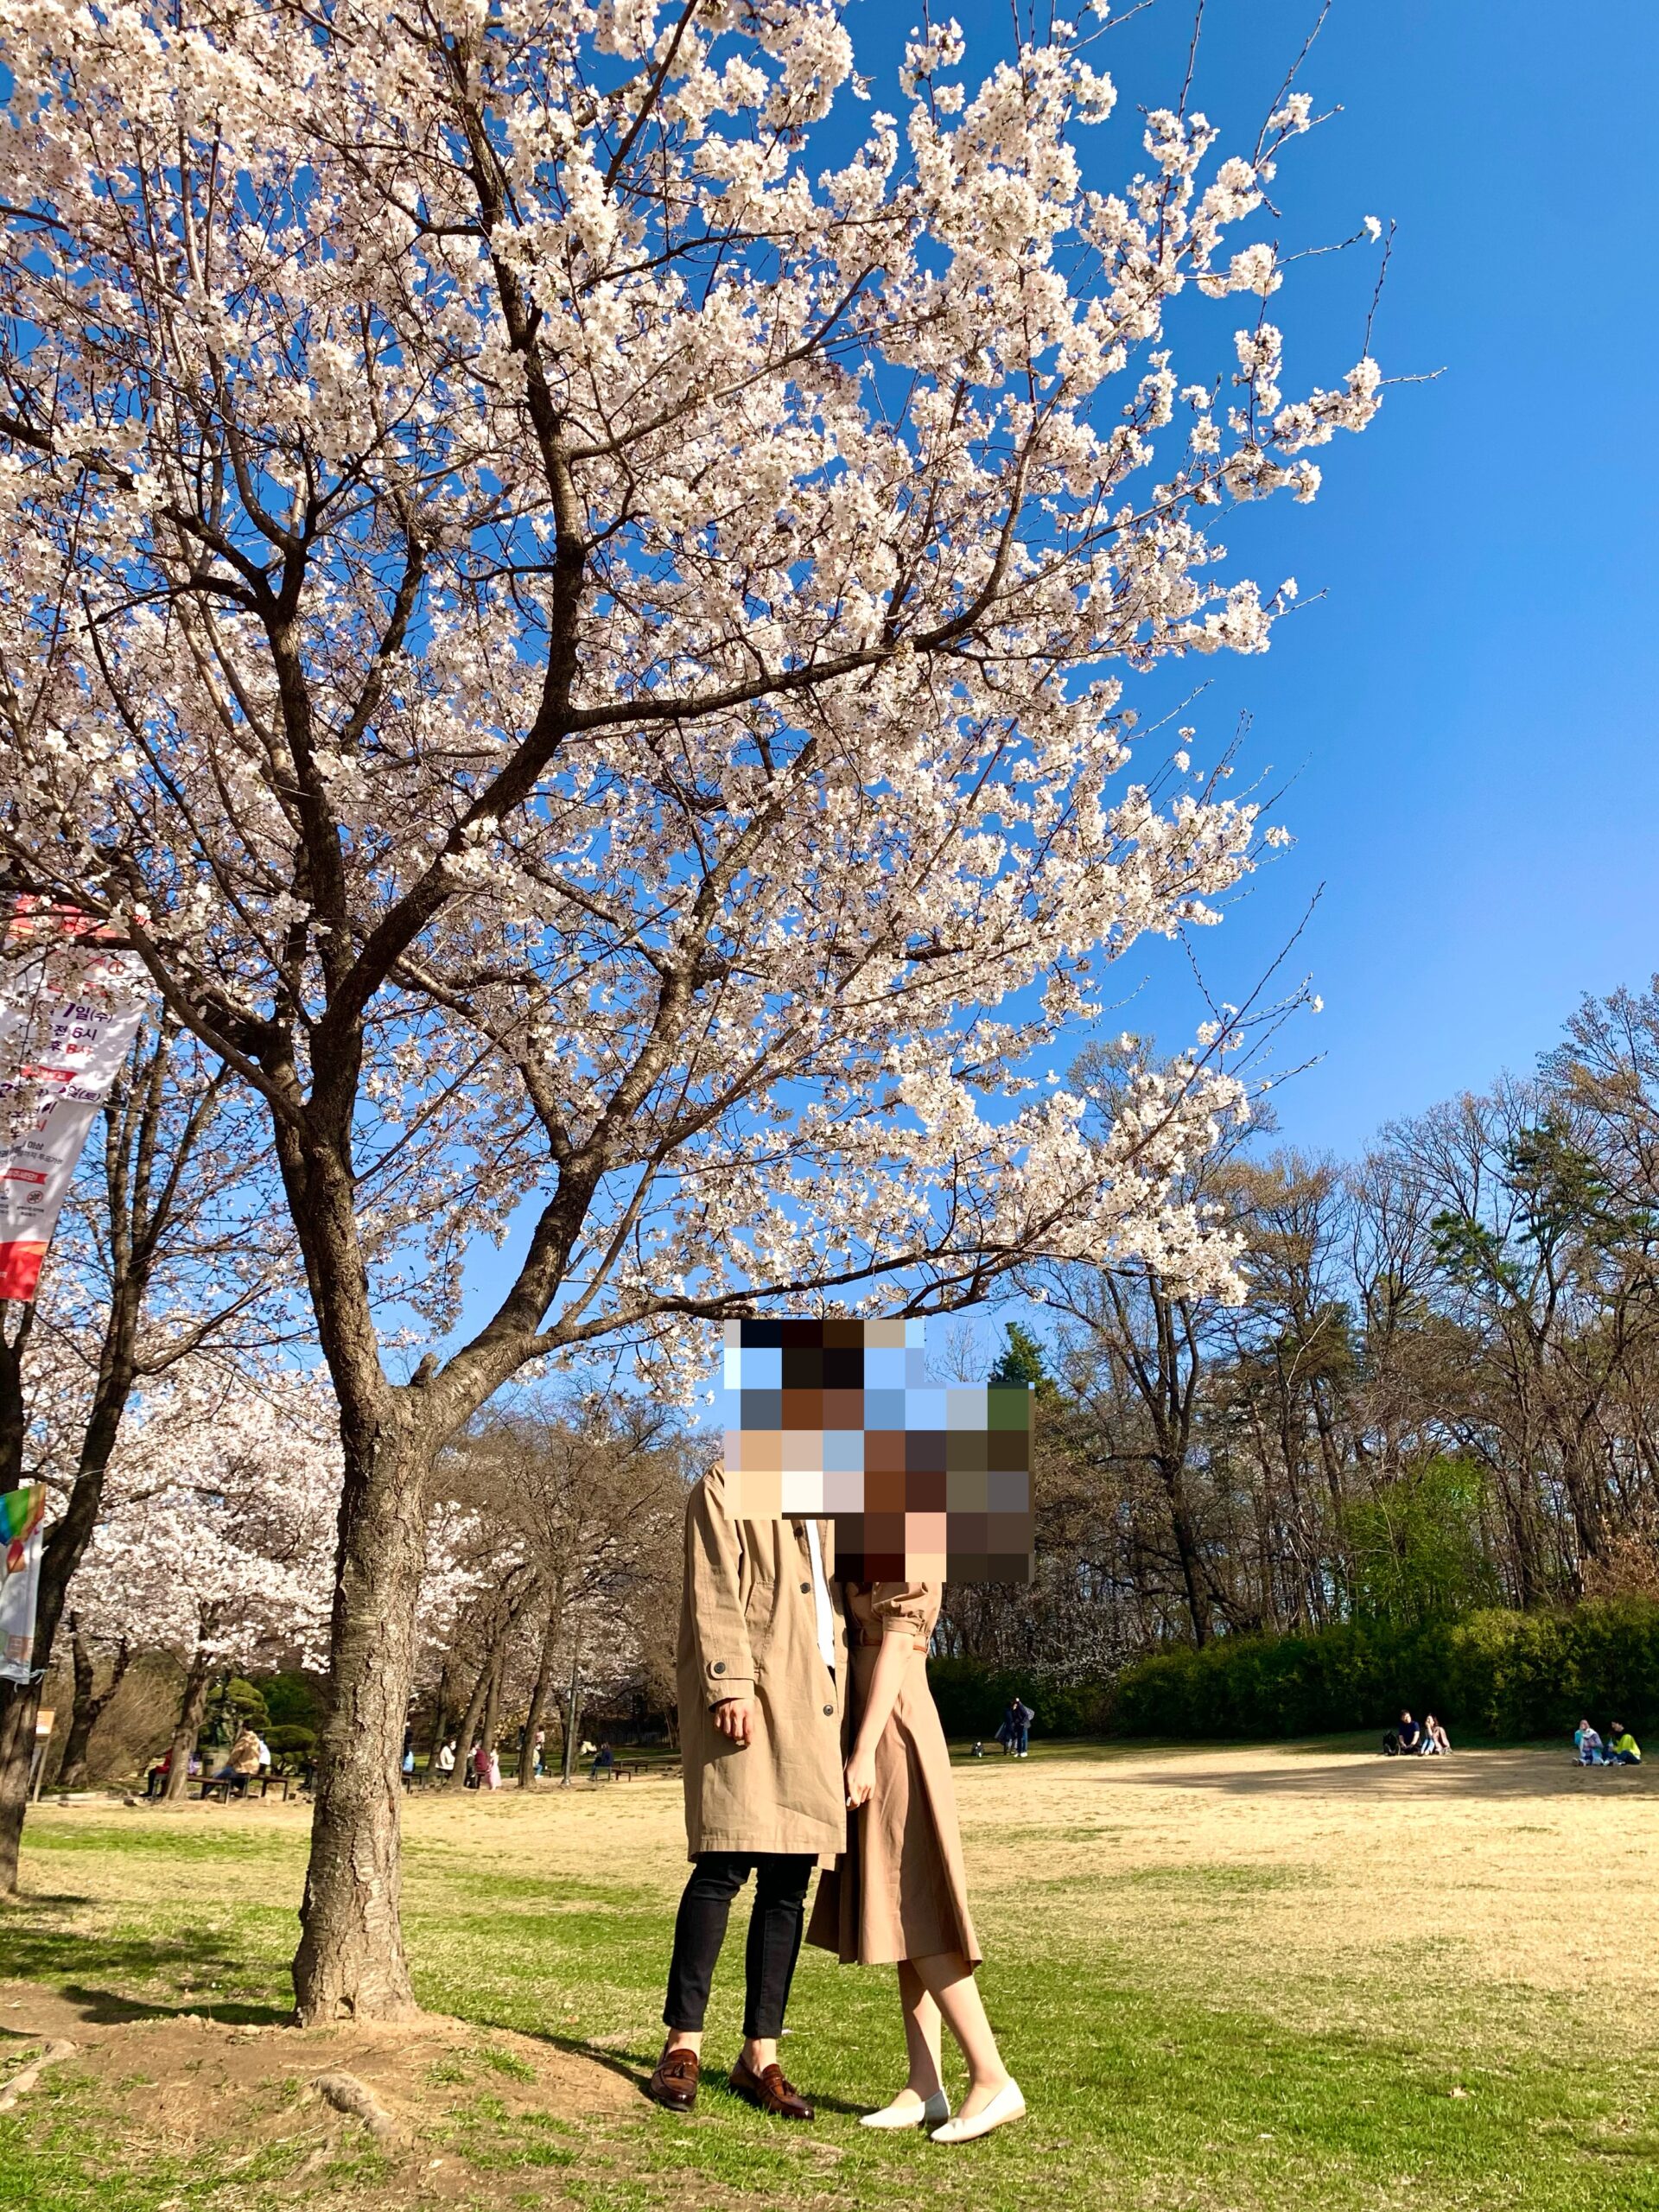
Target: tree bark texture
point(539, 1696)
point(195, 1704)
point(89, 1704)
point(350, 1964)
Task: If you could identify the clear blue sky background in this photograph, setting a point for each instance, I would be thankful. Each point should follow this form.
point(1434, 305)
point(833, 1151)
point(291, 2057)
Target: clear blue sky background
point(1468, 714)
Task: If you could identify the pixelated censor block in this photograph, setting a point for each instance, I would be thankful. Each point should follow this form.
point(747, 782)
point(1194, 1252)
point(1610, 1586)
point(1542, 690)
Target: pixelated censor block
point(925, 1482)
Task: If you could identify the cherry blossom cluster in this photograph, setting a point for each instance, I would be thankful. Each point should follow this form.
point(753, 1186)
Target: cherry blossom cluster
point(585, 635)
point(219, 1528)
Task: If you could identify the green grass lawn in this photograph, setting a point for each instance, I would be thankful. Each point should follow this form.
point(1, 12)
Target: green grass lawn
point(1249, 1992)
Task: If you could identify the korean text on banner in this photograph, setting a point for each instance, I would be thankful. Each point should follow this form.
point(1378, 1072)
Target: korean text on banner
point(21, 1513)
point(70, 1003)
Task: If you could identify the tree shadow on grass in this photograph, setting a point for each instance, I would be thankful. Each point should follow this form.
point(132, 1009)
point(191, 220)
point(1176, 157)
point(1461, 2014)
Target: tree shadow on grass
point(62, 1960)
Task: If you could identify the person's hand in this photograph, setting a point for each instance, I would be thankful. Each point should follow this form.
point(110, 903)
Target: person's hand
point(734, 1717)
point(861, 1778)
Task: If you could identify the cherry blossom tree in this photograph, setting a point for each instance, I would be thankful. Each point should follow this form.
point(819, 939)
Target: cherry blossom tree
point(152, 1267)
point(219, 1545)
point(571, 590)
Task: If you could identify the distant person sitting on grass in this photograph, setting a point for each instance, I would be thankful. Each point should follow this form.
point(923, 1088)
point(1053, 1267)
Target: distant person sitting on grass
point(1587, 1743)
point(1625, 1751)
point(1436, 1742)
point(1409, 1737)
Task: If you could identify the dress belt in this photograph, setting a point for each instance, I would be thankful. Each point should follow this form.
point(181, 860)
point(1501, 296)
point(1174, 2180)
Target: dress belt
point(873, 1639)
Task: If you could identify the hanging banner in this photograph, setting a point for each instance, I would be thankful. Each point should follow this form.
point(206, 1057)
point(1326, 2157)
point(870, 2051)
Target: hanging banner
point(22, 1515)
point(71, 1001)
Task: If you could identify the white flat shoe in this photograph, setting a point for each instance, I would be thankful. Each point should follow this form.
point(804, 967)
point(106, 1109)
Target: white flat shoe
point(936, 2109)
point(1008, 2104)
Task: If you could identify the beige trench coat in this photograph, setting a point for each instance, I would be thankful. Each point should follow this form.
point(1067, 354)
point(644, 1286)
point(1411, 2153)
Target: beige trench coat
point(748, 1628)
point(900, 1889)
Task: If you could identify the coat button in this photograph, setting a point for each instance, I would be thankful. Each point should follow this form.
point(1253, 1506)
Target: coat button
point(829, 1712)
point(806, 1589)
point(719, 1667)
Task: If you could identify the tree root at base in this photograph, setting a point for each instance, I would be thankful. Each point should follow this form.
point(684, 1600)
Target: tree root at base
point(57, 2048)
point(347, 2094)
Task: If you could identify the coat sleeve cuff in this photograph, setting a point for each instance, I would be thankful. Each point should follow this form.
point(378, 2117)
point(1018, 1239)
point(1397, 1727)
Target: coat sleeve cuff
point(724, 1678)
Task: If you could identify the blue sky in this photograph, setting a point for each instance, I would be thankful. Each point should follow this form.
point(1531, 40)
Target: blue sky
point(1469, 713)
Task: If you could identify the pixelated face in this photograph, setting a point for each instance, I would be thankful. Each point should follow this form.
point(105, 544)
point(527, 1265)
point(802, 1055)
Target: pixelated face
point(925, 1482)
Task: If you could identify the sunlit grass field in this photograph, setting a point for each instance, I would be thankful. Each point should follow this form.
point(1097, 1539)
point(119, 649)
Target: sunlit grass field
point(1304, 1979)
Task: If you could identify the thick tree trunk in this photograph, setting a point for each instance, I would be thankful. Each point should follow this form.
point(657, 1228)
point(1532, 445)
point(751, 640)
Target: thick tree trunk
point(1173, 1475)
point(492, 1727)
point(539, 1696)
point(193, 1705)
point(469, 1719)
point(440, 1718)
point(572, 1714)
point(19, 1703)
point(350, 1964)
point(89, 1704)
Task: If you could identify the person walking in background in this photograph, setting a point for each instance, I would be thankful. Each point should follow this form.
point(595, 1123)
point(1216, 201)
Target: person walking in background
point(1624, 1750)
point(1586, 1741)
point(492, 1769)
point(898, 1895)
point(762, 1763)
point(477, 1766)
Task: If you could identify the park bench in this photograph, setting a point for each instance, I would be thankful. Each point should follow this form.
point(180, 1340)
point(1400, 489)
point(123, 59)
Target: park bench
point(223, 1785)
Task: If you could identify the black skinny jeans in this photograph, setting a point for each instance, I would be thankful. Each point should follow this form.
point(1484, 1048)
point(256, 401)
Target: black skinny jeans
point(776, 1923)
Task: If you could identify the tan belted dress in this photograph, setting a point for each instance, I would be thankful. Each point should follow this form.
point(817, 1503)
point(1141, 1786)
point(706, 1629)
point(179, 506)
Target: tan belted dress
point(899, 1891)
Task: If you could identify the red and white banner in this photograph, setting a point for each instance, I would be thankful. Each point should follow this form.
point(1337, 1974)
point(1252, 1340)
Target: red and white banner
point(70, 1005)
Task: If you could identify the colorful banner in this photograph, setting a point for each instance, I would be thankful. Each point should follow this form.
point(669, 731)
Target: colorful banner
point(22, 1512)
point(70, 1005)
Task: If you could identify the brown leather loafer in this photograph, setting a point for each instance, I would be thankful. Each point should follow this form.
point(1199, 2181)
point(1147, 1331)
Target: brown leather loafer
point(769, 2092)
point(674, 2085)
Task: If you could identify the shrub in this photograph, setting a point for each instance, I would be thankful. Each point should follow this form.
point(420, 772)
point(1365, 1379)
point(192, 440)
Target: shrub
point(291, 1740)
point(1494, 1673)
point(294, 1699)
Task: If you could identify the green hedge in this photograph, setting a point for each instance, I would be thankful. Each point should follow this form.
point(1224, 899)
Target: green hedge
point(1494, 1673)
point(972, 1698)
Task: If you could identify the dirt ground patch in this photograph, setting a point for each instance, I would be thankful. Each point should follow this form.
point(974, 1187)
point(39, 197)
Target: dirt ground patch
point(411, 2113)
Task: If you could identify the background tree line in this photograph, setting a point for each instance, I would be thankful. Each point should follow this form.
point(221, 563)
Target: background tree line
point(1440, 1392)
